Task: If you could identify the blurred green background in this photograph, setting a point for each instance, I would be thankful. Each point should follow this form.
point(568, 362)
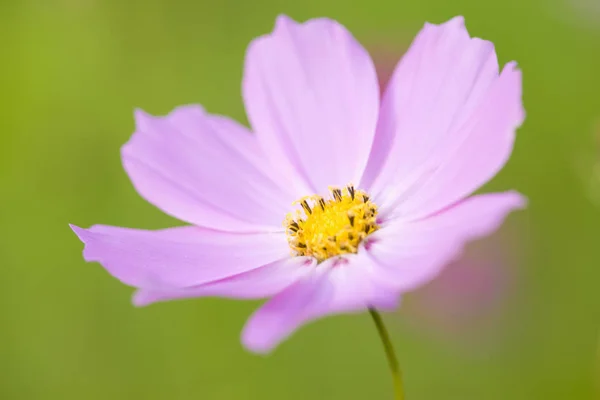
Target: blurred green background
point(72, 73)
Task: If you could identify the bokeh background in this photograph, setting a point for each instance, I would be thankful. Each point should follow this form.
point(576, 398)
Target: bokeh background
point(517, 318)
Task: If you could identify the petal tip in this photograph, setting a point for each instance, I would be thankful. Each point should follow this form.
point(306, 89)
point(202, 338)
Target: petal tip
point(84, 237)
point(138, 113)
point(141, 298)
point(520, 201)
point(258, 337)
point(190, 108)
point(256, 343)
point(142, 119)
point(80, 232)
point(512, 65)
point(454, 22)
point(514, 79)
point(283, 20)
point(458, 20)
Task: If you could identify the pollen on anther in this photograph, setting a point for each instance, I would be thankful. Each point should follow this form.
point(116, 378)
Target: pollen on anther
point(322, 203)
point(337, 194)
point(306, 207)
point(351, 218)
point(351, 191)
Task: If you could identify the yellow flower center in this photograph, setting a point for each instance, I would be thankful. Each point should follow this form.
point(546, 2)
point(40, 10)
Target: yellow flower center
point(325, 228)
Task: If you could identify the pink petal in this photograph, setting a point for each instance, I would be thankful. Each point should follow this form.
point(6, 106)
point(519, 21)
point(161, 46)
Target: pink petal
point(344, 288)
point(206, 170)
point(258, 283)
point(178, 257)
point(447, 123)
point(410, 253)
point(312, 96)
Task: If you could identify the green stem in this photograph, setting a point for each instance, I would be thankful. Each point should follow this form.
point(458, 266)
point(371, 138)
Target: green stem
point(389, 352)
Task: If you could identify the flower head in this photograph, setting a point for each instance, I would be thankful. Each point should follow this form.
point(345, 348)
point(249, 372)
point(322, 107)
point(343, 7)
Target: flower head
point(335, 201)
point(329, 228)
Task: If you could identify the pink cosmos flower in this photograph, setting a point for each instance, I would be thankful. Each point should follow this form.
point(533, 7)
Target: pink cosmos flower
point(381, 187)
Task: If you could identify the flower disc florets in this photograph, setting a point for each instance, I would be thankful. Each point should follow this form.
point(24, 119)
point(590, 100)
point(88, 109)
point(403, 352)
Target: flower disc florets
point(325, 228)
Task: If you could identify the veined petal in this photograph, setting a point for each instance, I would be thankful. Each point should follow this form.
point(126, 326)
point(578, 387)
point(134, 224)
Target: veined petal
point(330, 289)
point(262, 282)
point(312, 97)
point(178, 257)
point(410, 253)
point(207, 170)
point(447, 123)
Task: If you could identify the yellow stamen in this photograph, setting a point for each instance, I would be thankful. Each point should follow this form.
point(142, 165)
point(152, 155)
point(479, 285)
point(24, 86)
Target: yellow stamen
point(325, 228)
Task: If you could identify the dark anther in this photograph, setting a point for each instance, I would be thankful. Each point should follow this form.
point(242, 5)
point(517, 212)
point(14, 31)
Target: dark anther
point(322, 203)
point(294, 224)
point(351, 218)
point(337, 194)
point(351, 191)
point(306, 207)
point(365, 198)
point(350, 236)
point(367, 228)
point(301, 245)
point(293, 228)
